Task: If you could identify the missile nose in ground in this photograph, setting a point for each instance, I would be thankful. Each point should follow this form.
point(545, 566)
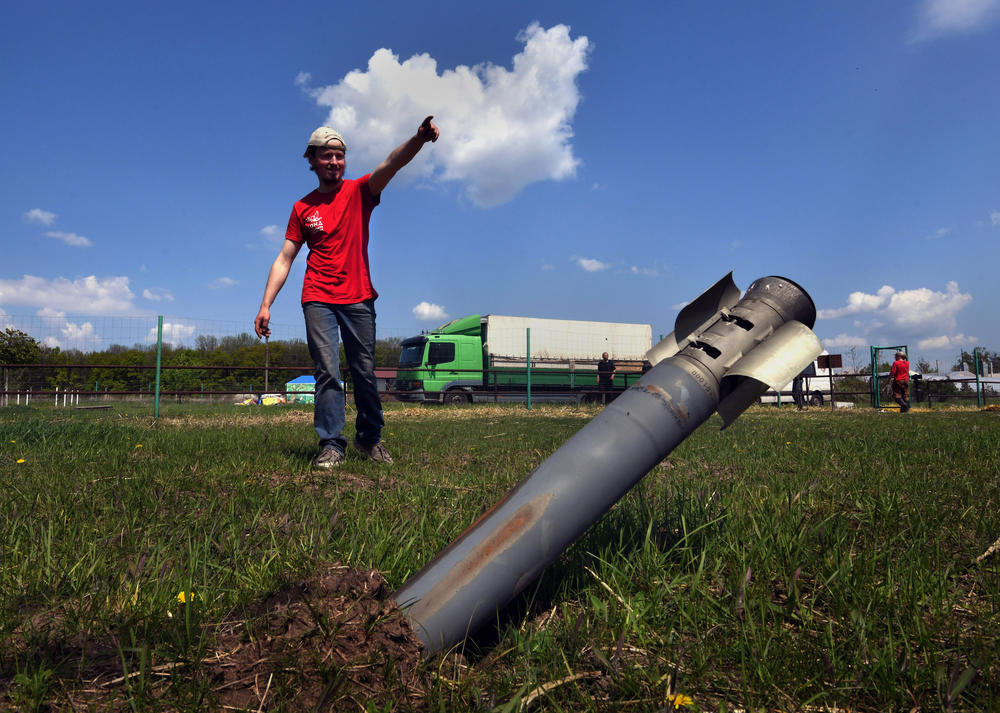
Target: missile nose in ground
point(724, 347)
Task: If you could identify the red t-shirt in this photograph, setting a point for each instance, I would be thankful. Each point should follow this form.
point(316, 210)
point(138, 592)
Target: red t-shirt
point(335, 227)
point(900, 370)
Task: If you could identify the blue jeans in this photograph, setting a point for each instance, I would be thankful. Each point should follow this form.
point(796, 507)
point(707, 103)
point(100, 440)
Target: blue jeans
point(356, 325)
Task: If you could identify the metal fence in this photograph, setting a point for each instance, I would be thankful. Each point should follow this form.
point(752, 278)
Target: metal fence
point(847, 390)
point(80, 385)
point(61, 383)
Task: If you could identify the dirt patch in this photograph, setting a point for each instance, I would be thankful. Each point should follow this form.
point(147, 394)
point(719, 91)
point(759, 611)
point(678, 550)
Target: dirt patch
point(335, 641)
point(332, 642)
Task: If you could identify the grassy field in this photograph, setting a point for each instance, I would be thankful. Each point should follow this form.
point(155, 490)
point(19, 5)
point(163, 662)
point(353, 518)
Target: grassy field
point(797, 561)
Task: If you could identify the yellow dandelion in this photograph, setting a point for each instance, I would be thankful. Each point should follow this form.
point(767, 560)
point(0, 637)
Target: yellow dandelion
point(185, 597)
point(138, 445)
point(20, 460)
point(788, 443)
point(680, 700)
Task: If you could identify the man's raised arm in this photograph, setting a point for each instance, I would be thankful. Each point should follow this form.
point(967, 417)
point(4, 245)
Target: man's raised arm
point(401, 156)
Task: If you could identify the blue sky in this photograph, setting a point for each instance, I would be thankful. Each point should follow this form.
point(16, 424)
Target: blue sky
point(594, 163)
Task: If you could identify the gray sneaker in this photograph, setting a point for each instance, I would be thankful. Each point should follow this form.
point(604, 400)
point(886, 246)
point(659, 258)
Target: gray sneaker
point(329, 457)
point(377, 452)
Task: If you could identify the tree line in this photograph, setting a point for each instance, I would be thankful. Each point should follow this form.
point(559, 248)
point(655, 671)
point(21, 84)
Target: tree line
point(238, 364)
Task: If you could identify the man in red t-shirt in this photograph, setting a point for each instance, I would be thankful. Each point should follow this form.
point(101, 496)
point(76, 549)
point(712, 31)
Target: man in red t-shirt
point(900, 375)
point(337, 292)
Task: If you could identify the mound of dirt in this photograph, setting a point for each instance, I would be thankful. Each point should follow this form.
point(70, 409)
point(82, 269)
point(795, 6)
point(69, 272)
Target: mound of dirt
point(332, 642)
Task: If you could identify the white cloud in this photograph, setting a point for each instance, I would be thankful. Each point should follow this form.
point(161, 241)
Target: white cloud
point(47, 218)
point(939, 233)
point(943, 17)
point(845, 341)
point(74, 336)
point(944, 342)
point(37, 215)
point(904, 314)
point(70, 238)
point(923, 308)
point(591, 265)
point(273, 236)
point(87, 295)
point(995, 217)
point(501, 129)
point(174, 333)
point(648, 271)
point(858, 302)
point(428, 312)
point(222, 282)
point(157, 294)
point(908, 310)
point(74, 332)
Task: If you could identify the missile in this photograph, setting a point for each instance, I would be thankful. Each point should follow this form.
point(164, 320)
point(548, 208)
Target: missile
point(723, 354)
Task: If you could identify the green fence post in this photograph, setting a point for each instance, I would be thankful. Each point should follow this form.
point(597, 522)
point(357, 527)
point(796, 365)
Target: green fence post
point(159, 356)
point(979, 388)
point(527, 336)
point(876, 396)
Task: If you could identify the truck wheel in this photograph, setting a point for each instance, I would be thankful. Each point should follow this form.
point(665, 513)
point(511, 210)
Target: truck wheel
point(816, 399)
point(457, 396)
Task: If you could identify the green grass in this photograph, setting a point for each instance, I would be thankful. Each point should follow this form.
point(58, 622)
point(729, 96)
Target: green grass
point(796, 561)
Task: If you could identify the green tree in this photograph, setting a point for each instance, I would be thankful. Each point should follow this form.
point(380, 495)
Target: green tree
point(183, 379)
point(988, 361)
point(387, 351)
point(16, 347)
point(206, 343)
point(231, 345)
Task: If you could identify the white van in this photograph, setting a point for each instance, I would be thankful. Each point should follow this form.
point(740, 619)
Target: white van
point(815, 388)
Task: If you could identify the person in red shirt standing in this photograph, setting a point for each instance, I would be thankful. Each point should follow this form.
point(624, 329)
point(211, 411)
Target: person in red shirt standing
point(900, 376)
point(337, 292)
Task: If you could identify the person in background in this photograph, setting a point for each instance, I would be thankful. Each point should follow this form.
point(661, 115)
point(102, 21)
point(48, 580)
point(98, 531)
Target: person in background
point(900, 376)
point(605, 374)
point(337, 292)
point(797, 394)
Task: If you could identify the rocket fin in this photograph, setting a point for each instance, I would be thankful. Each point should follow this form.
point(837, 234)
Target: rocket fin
point(696, 317)
point(772, 363)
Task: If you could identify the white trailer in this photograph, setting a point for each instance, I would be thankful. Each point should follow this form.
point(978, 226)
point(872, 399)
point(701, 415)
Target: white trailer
point(563, 340)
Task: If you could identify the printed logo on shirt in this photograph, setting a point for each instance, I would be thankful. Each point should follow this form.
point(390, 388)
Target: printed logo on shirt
point(314, 222)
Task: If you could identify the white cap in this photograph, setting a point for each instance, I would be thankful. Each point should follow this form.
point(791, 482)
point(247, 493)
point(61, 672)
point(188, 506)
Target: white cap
point(325, 136)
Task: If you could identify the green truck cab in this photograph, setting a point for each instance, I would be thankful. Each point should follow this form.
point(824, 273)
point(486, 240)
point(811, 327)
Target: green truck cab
point(446, 364)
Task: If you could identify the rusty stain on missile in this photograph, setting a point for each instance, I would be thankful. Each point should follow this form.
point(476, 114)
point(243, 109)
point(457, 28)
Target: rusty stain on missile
point(469, 568)
point(678, 410)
